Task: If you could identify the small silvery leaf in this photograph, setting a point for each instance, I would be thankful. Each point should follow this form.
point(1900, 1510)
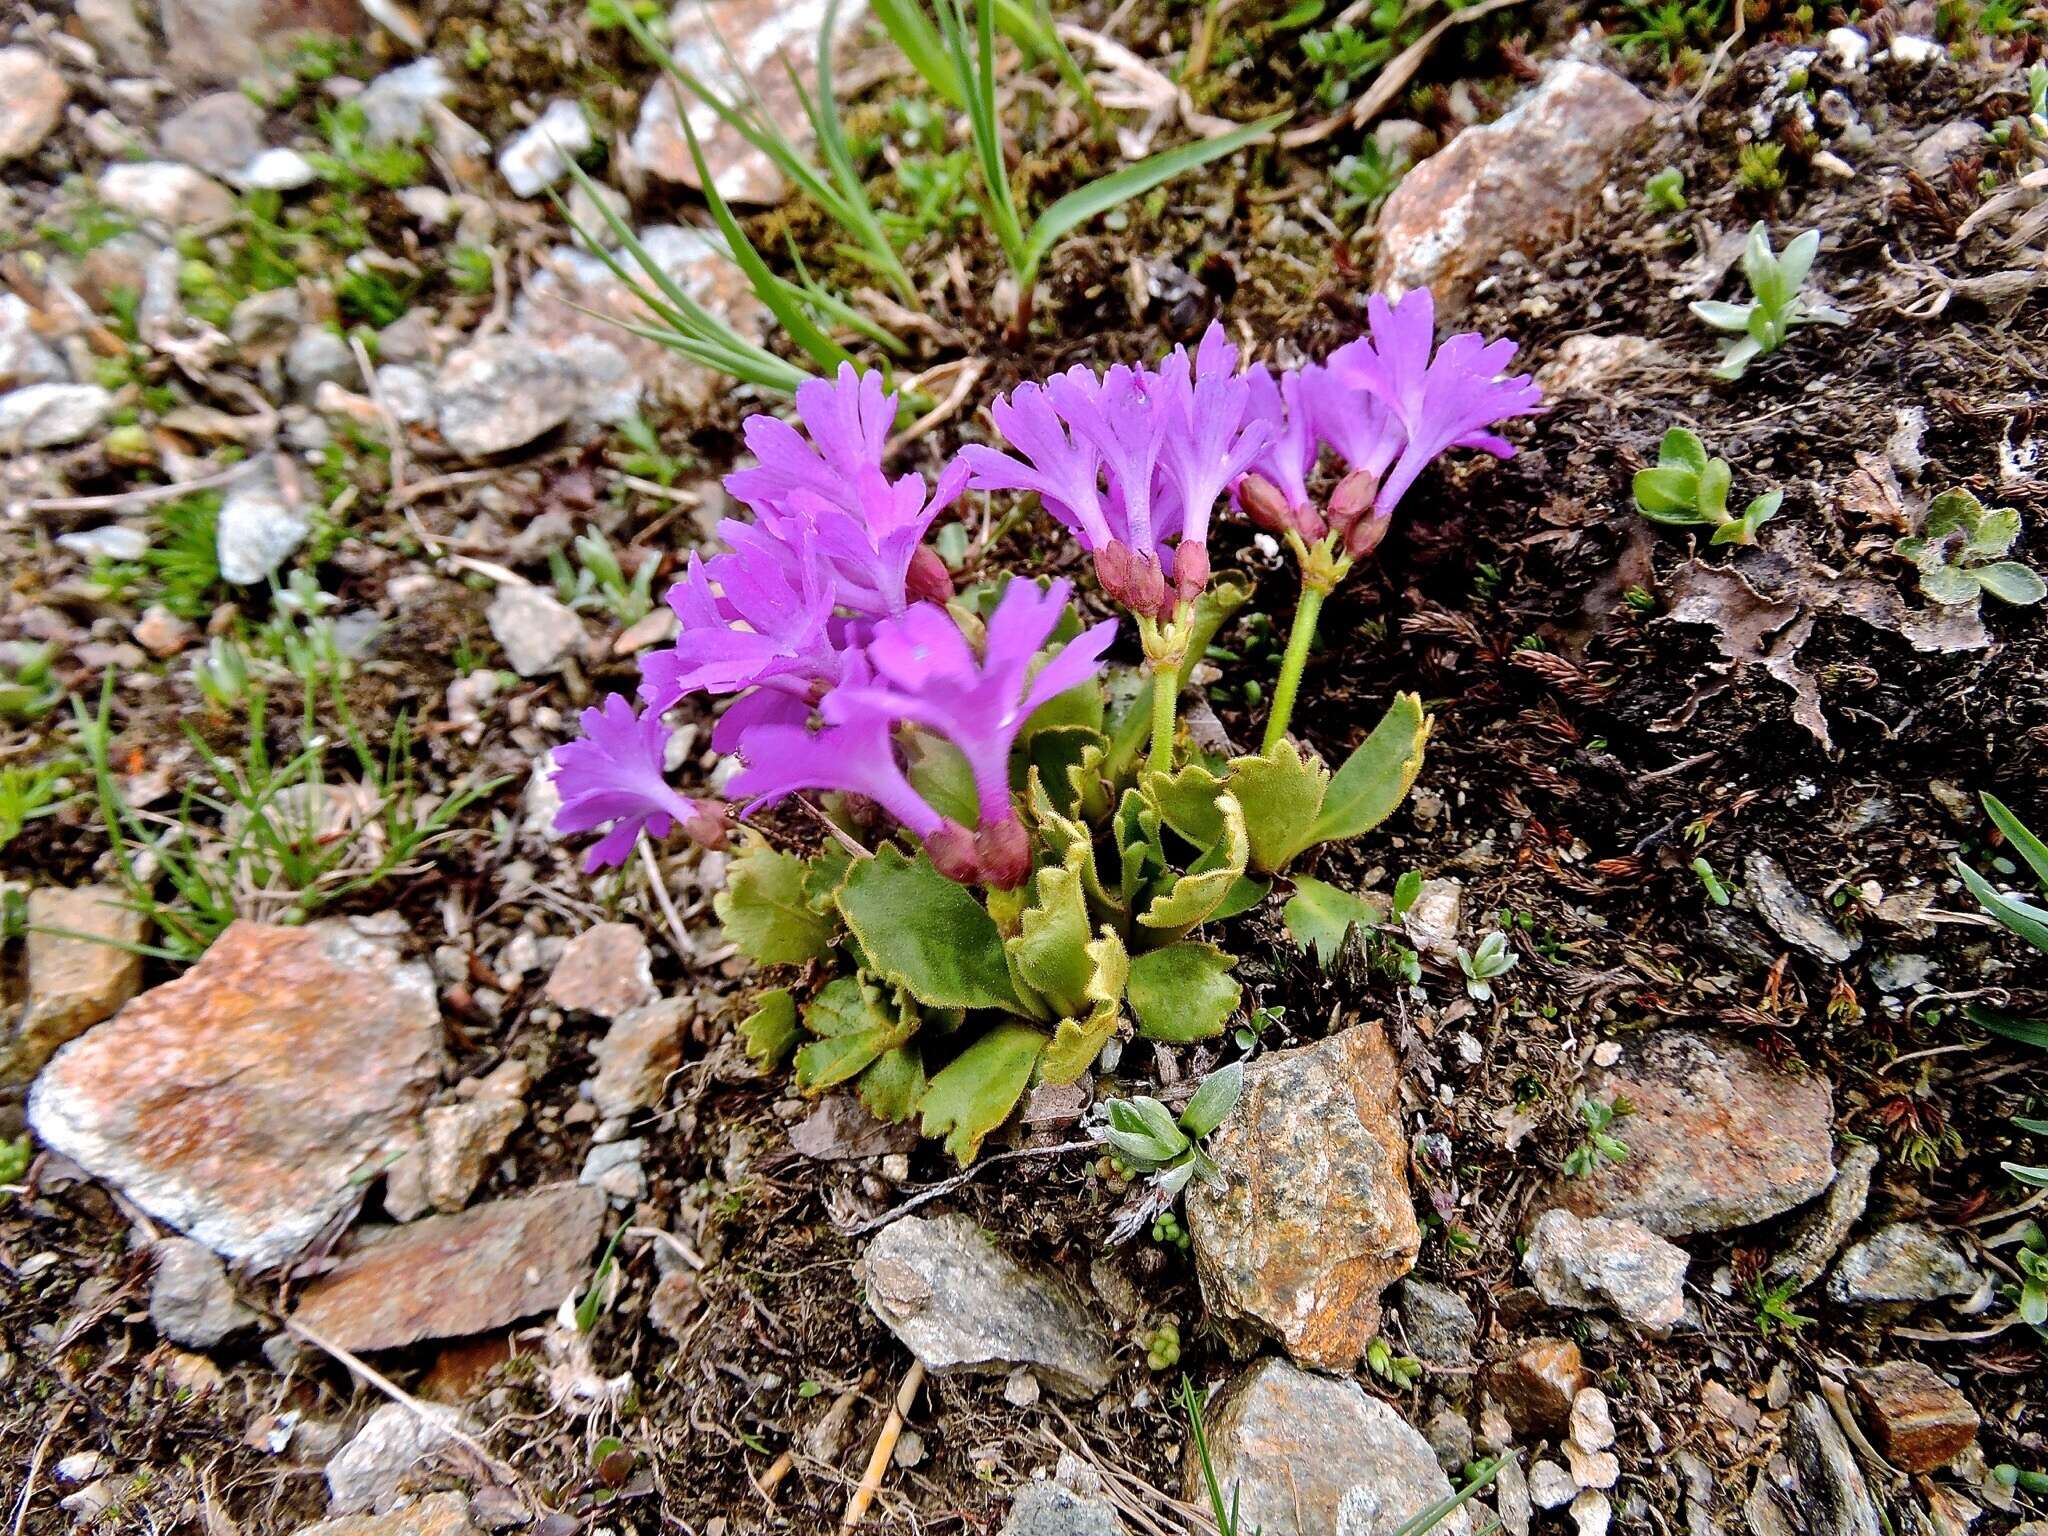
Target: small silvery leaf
point(1157, 1122)
point(1171, 1181)
point(2011, 582)
point(1723, 317)
point(1949, 586)
point(1139, 1149)
point(1214, 1100)
point(1798, 261)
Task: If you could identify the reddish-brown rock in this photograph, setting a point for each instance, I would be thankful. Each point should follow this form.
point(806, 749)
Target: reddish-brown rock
point(1717, 1137)
point(1519, 182)
point(1535, 1388)
point(1918, 1420)
point(604, 970)
point(243, 1102)
point(74, 983)
point(449, 1276)
point(1313, 1219)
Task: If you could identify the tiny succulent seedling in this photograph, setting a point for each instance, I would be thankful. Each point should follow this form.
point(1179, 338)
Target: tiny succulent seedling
point(1686, 488)
point(1776, 308)
point(1961, 553)
point(1665, 191)
point(1148, 1138)
point(1600, 1145)
point(1485, 965)
point(1399, 1371)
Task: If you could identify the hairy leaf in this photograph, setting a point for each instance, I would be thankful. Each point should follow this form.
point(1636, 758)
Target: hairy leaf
point(1194, 897)
point(1376, 778)
point(1050, 950)
point(1281, 793)
point(926, 934)
point(1183, 992)
point(764, 911)
point(1078, 1041)
point(769, 1032)
point(892, 1087)
point(1186, 801)
point(976, 1091)
point(1214, 1100)
point(1319, 915)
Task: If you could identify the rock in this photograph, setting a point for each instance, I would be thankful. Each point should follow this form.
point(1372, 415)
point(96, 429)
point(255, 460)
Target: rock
point(1905, 1261)
point(241, 1101)
point(1956, 139)
point(1450, 1437)
point(1793, 916)
point(1583, 1264)
point(395, 104)
point(959, 1303)
point(606, 969)
point(32, 97)
point(501, 393)
point(1520, 181)
point(1311, 1455)
point(438, 1514)
point(74, 983)
point(758, 36)
point(614, 1167)
point(221, 41)
point(536, 631)
point(1918, 1420)
point(1313, 1219)
point(259, 528)
point(190, 1300)
point(367, 1473)
point(219, 134)
point(277, 170)
point(535, 158)
point(1070, 1503)
point(458, 1142)
point(1431, 921)
point(1591, 1469)
point(266, 322)
point(1437, 1323)
point(109, 541)
point(448, 1276)
point(1592, 1420)
point(1536, 1387)
point(113, 28)
point(1900, 973)
point(1821, 1233)
point(25, 357)
point(1718, 1137)
point(842, 1128)
point(636, 1056)
point(1816, 1487)
point(1591, 1512)
point(319, 355)
point(51, 415)
point(1551, 1486)
point(162, 633)
point(166, 194)
point(1511, 1498)
point(1591, 365)
point(572, 306)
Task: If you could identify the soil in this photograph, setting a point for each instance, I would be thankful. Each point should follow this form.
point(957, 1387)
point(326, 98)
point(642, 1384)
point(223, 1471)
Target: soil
point(1588, 750)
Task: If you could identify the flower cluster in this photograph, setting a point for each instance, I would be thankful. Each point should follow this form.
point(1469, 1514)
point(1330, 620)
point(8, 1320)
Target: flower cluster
point(824, 620)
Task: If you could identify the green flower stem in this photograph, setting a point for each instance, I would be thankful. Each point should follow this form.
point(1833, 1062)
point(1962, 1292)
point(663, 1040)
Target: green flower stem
point(1165, 694)
point(1298, 641)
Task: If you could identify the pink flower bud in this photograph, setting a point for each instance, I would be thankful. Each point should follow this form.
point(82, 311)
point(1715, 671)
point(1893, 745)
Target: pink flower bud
point(952, 853)
point(1190, 570)
point(928, 581)
point(1005, 853)
point(1265, 504)
point(1113, 564)
point(1352, 499)
point(1147, 590)
point(709, 826)
point(1308, 522)
point(1365, 534)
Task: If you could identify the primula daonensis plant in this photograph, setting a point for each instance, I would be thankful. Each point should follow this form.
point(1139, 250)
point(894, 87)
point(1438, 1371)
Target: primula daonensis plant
point(1023, 849)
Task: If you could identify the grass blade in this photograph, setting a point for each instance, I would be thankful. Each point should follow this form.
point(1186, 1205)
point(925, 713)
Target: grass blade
point(911, 30)
point(2024, 843)
point(1107, 192)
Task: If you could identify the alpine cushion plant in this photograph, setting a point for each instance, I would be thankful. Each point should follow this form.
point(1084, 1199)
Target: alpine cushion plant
point(1010, 880)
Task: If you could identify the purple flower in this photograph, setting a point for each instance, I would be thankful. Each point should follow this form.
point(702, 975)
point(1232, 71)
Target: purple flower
point(1441, 402)
point(747, 619)
point(1211, 435)
point(1064, 470)
point(616, 774)
point(1288, 455)
point(848, 421)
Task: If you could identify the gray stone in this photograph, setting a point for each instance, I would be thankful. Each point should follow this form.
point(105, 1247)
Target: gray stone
point(1956, 139)
point(1905, 1261)
point(32, 96)
point(502, 393)
point(1591, 1262)
point(636, 1056)
point(537, 157)
point(51, 415)
point(219, 134)
point(319, 355)
point(166, 194)
point(259, 528)
point(1816, 1488)
point(112, 27)
point(267, 321)
point(1450, 1436)
point(959, 1303)
point(370, 1471)
point(1313, 1455)
point(538, 634)
point(606, 970)
point(109, 541)
point(25, 357)
point(1822, 1231)
point(190, 1300)
point(277, 170)
point(1793, 916)
point(396, 103)
point(1718, 1137)
point(1900, 973)
point(459, 1140)
point(1312, 1219)
point(1051, 1508)
point(1436, 1322)
point(614, 1167)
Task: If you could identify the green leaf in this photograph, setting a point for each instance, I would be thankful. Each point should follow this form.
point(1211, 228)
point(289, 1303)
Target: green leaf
point(1796, 262)
point(770, 1031)
point(2037, 1177)
point(1722, 317)
point(764, 911)
point(2029, 922)
point(926, 934)
point(976, 1091)
point(1107, 192)
point(918, 41)
point(1376, 778)
point(1068, 760)
point(1140, 851)
point(1319, 915)
point(1947, 585)
point(1071, 845)
point(1667, 494)
point(2030, 1126)
point(1214, 1100)
point(2024, 843)
point(1711, 496)
point(1281, 793)
point(939, 772)
point(1953, 511)
point(852, 1029)
point(1183, 992)
point(1186, 801)
point(1246, 892)
point(1682, 449)
point(1081, 705)
point(1995, 534)
point(2032, 1032)
point(1194, 898)
point(1144, 1130)
point(2011, 582)
point(1050, 950)
point(892, 1087)
point(1078, 1041)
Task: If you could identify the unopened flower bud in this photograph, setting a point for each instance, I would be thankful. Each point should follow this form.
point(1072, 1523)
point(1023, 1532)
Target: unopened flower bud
point(1147, 591)
point(1352, 499)
point(1005, 853)
point(1365, 534)
point(1190, 570)
point(1264, 504)
point(928, 581)
point(1308, 522)
point(952, 853)
point(1113, 564)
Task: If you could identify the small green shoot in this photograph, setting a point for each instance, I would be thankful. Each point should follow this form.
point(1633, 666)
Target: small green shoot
point(1599, 1146)
point(1225, 1515)
point(1148, 1139)
point(1398, 1371)
point(1777, 306)
point(1665, 191)
point(1759, 168)
point(1710, 882)
point(28, 686)
point(591, 1306)
point(1961, 553)
point(1367, 179)
point(2016, 913)
point(1775, 1316)
point(1689, 489)
point(596, 579)
point(29, 792)
point(1485, 965)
